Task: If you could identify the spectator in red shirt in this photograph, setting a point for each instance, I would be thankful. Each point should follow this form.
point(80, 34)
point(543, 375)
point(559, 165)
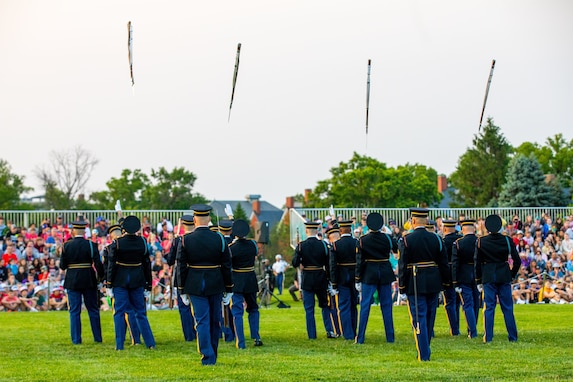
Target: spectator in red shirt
point(10, 301)
point(32, 234)
point(58, 300)
point(10, 253)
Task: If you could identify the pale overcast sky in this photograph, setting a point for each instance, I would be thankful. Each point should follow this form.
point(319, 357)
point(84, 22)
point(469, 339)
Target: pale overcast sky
point(299, 104)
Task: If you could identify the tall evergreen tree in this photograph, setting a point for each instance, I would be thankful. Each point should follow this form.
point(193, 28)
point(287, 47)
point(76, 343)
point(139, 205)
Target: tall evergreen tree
point(481, 169)
point(555, 157)
point(525, 185)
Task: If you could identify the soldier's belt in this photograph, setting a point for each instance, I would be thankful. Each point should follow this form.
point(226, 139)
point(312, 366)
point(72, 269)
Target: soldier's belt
point(468, 264)
point(424, 264)
point(346, 264)
point(128, 264)
point(376, 260)
point(244, 270)
point(203, 266)
point(80, 266)
point(313, 269)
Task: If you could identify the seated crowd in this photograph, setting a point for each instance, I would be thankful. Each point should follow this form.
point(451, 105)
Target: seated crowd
point(30, 277)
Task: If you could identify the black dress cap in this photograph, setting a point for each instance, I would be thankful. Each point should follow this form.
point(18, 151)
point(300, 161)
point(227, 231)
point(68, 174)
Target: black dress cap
point(241, 228)
point(131, 224)
point(374, 221)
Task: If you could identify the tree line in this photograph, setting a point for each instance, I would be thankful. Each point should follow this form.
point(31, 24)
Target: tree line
point(491, 172)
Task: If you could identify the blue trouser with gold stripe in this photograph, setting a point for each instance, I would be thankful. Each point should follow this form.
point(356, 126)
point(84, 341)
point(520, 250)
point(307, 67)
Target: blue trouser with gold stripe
point(187, 320)
point(423, 319)
point(385, 297)
point(133, 326)
point(308, 302)
point(207, 312)
point(238, 310)
point(124, 297)
point(90, 298)
point(470, 306)
point(347, 311)
point(491, 292)
point(452, 305)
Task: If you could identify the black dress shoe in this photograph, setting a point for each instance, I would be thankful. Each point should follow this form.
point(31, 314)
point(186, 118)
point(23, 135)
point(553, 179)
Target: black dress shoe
point(331, 335)
point(258, 343)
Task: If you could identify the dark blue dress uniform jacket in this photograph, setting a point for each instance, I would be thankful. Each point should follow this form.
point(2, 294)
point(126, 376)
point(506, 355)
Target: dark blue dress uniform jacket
point(105, 255)
point(204, 263)
point(491, 259)
point(312, 254)
point(243, 254)
point(463, 260)
point(372, 261)
point(129, 265)
point(79, 258)
point(343, 261)
point(172, 256)
point(449, 241)
point(427, 250)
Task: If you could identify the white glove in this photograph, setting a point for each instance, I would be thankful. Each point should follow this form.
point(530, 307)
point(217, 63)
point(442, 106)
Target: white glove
point(331, 211)
point(358, 287)
point(109, 292)
point(117, 205)
point(147, 294)
point(331, 290)
point(458, 289)
point(227, 298)
point(185, 299)
point(228, 211)
point(480, 288)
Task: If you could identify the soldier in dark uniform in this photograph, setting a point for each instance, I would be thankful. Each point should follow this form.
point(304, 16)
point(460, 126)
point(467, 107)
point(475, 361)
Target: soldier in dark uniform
point(225, 227)
point(431, 226)
point(374, 273)
point(80, 258)
point(332, 235)
point(243, 255)
point(342, 273)
point(129, 273)
point(492, 270)
point(451, 299)
point(204, 279)
point(114, 232)
point(422, 273)
point(311, 255)
point(185, 314)
point(463, 276)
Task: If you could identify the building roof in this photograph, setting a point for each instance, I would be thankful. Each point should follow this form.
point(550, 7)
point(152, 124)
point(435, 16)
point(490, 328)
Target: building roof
point(268, 213)
point(447, 198)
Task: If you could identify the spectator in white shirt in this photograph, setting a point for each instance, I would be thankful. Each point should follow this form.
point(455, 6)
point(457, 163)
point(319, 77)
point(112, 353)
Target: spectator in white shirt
point(279, 268)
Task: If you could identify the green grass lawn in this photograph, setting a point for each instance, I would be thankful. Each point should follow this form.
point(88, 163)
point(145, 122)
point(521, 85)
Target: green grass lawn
point(37, 346)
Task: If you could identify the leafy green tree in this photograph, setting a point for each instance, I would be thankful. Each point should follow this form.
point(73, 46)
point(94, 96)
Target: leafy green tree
point(127, 188)
point(54, 198)
point(481, 169)
point(11, 187)
point(555, 157)
point(525, 185)
point(171, 190)
point(365, 182)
